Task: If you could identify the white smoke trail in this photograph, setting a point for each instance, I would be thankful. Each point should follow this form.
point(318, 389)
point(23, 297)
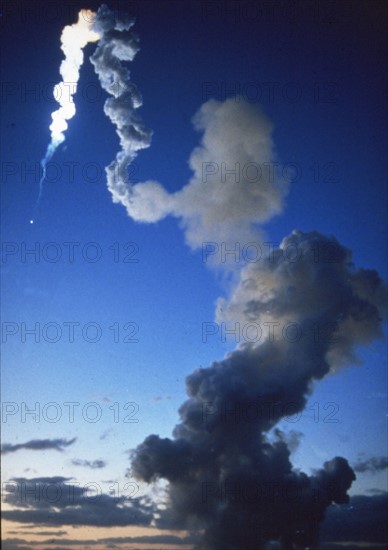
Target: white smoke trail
point(73, 39)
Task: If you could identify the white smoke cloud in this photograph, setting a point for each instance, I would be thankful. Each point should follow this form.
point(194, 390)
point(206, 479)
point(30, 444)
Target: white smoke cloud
point(233, 186)
point(73, 39)
point(149, 202)
point(237, 146)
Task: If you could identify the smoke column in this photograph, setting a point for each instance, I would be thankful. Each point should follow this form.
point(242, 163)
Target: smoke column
point(228, 464)
point(118, 43)
point(73, 39)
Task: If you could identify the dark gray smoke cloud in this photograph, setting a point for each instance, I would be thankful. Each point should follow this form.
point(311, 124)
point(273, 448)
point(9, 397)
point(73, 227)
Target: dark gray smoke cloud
point(38, 445)
point(225, 476)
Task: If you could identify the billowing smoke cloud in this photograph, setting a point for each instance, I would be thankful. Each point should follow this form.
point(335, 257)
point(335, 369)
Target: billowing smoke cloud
point(373, 464)
point(38, 445)
point(236, 180)
point(308, 291)
point(226, 474)
point(234, 184)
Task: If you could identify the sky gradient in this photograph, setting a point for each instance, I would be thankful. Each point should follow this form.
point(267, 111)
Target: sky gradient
point(124, 296)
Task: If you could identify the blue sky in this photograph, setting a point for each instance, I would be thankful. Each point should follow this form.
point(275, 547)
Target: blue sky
point(316, 73)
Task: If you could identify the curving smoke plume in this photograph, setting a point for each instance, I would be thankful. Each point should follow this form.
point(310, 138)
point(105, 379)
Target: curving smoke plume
point(227, 476)
point(234, 184)
point(118, 43)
